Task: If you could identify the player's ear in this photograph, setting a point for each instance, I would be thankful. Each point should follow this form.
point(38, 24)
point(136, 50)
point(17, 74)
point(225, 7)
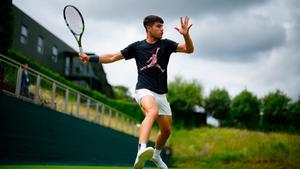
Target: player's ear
point(148, 27)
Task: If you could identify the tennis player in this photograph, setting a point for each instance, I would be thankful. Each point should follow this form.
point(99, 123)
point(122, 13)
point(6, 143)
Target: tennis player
point(152, 57)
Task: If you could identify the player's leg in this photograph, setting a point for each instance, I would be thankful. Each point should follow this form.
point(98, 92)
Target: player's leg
point(164, 123)
point(150, 110)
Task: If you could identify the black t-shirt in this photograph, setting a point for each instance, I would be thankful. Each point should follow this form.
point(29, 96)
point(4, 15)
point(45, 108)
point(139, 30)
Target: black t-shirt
point(152, 62)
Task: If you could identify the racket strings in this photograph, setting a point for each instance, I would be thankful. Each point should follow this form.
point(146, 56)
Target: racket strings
point(74, 20)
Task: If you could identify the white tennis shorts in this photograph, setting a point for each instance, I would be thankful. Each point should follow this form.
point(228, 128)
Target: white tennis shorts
point(161, 101)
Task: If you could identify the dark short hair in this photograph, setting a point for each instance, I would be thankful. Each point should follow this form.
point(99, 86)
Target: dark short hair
point(151, 19)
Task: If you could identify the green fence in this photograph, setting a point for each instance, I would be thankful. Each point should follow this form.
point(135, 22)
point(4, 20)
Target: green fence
point(33, 134)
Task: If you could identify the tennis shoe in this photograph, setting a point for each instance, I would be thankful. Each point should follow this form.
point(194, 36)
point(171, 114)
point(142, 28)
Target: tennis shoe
point(143, 156)
point(159, 162)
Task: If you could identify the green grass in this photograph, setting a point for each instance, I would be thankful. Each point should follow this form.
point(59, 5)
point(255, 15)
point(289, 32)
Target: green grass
point(58, 167)
point(209, 148)
point(62, 167)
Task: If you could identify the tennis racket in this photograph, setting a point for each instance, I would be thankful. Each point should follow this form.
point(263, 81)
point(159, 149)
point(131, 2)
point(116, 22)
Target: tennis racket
point(75, 23)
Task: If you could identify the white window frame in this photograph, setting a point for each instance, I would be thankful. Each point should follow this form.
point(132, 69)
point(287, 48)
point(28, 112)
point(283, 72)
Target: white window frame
point(54, 54)
point(40, 44)
point(24, 34)
point(68, 66)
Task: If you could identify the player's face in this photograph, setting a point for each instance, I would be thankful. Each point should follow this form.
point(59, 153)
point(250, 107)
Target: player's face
point(157, 30)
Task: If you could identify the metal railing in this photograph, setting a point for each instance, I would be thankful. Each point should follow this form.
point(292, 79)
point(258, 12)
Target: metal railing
point(48, 92)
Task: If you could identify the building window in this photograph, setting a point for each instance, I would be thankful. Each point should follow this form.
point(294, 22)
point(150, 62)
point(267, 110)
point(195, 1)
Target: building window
point(40, 45)
point(87, 68)
point(67, 67)
point(24, 34)
point(79, 69)
point(54, 55)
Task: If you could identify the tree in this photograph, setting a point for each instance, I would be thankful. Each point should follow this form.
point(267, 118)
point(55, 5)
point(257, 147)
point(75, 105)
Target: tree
point(275, 107)
point(218, 103)
point(245, 107)
point(6, 29)
point(294, 113)
point(6, 25)
point(183, 96)
point(122, 93)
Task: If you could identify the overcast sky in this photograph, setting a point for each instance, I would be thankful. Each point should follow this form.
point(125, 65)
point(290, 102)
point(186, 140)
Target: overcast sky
point(253, 45)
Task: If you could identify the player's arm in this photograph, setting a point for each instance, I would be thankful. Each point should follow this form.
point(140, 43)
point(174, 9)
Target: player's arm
point(106, 58)
point(188, 46)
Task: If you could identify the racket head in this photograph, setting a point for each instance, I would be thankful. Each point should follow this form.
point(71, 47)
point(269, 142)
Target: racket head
point(74, 20)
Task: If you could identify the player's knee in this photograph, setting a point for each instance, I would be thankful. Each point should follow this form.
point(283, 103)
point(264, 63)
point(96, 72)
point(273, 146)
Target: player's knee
point(153, 114)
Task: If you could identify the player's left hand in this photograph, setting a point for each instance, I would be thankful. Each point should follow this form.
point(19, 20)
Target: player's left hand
point(185, 27)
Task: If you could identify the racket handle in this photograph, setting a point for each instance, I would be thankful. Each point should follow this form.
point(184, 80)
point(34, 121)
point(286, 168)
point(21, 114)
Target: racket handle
point(80, 51)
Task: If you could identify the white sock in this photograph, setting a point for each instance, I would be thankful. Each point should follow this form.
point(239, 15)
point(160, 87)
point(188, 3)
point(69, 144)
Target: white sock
point(156, 153)
point(142, 146)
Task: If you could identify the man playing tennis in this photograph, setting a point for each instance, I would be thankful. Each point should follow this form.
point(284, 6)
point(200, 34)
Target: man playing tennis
point(152, 57)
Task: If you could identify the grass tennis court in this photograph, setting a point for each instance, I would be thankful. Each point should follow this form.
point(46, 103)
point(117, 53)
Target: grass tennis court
point(63, 167)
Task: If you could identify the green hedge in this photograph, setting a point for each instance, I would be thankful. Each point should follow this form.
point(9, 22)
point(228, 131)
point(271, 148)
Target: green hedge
point(130, 109)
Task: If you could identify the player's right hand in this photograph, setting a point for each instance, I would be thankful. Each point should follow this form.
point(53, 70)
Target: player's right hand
point(84, 58)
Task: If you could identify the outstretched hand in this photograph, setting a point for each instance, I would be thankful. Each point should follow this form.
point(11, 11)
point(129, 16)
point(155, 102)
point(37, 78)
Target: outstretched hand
point(185, 27)
point(84, 58)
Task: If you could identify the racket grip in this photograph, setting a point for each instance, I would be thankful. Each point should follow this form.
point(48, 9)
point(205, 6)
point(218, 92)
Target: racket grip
point(80, 51)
